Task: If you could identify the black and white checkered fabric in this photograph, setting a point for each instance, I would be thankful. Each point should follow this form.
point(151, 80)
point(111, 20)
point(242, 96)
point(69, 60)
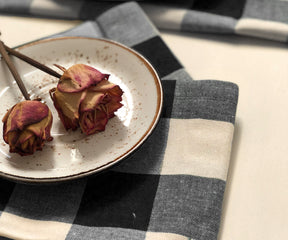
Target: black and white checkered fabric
point(171, 188)
point(258, 18)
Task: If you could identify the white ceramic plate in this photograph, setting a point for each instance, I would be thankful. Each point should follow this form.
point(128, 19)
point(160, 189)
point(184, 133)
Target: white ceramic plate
point(72, 154)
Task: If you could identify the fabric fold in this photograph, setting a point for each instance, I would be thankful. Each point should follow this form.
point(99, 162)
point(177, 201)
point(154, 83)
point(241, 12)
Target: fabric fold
point(204, 16)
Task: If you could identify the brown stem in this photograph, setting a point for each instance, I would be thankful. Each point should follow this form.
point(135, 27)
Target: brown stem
point(32, 62)
point(14, 71)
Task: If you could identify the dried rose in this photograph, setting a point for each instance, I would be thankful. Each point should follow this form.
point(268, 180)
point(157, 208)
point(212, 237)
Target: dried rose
point(85, 98)
point(27, 126)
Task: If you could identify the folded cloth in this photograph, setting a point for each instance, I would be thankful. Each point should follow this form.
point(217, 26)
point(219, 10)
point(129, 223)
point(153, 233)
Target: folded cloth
point(171, 188)
point(258, 18)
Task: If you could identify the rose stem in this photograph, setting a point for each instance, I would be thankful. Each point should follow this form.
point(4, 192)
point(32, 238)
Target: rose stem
point(32, 62)
point(14, 71)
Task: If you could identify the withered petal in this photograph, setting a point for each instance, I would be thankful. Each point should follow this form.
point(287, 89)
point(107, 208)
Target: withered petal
point(112, 107)
point(80, 77)
point(93, 121)
point(25, 113)
point(24, 136)
point(106, 86)
point(11, 137)
point(39, 128)
point(67, 106)
point(91, 100)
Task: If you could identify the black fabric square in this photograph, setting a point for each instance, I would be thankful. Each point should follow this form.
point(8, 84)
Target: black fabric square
point(230, 8)
point(6, 188)
point(159, 55)
point(148, 158)
point(188, 205)
point(91, 8)
point(116, 199)
point(178, 3)
point(5, 238)
point(168, 97)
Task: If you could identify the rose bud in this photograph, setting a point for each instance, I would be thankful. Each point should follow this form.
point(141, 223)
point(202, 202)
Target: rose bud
point(27, 126)
point(85, 98)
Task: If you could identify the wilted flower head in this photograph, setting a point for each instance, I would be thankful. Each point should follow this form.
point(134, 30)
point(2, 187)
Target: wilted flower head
point(85, 98)
point(27, 126)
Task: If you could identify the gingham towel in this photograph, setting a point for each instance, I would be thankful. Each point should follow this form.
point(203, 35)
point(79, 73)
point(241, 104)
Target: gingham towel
point(170, 189)
point(258, 18)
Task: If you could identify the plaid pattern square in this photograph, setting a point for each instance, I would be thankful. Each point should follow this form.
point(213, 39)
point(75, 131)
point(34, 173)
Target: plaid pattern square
point(119, 200)
point(51, 203)
point(132, 29)
point(198, 147)
point(78, 232)
point(229, 8)
point(266, 10)
point(159, 55)
point(205, 99)
point(183, 201)
point(168, 97)
point(148, 158)
point(6, 189)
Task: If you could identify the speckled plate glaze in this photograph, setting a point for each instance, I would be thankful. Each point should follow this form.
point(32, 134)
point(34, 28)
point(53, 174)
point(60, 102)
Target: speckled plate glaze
point(72, 154)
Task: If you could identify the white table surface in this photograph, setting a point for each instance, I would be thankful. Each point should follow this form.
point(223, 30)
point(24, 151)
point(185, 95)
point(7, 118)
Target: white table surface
point(256, 197)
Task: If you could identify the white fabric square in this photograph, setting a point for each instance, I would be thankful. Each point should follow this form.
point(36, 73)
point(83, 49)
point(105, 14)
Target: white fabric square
point(262, 29)
point(64, 8)
point(198, 147)
point(25, 228)
point(164, 236)
point(165, 17)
